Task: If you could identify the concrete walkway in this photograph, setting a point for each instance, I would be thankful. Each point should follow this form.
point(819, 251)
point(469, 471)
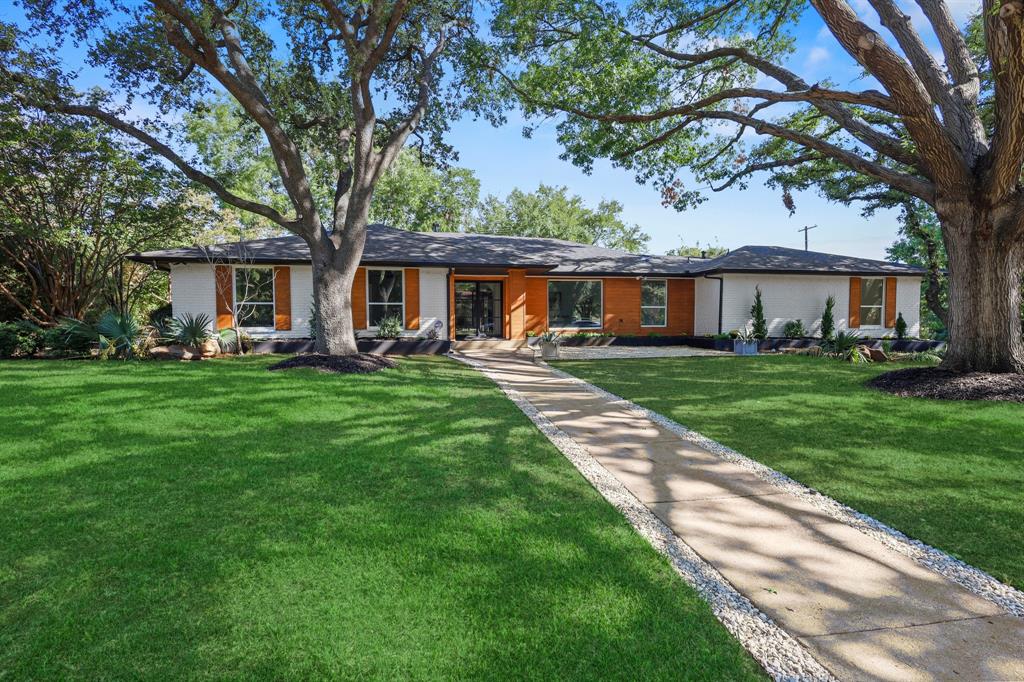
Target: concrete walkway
point(861, 609)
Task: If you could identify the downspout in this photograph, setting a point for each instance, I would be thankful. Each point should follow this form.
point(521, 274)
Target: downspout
point(448, 303)
point(721, 291)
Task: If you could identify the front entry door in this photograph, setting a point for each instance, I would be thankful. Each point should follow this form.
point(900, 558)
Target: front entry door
point(478, 310)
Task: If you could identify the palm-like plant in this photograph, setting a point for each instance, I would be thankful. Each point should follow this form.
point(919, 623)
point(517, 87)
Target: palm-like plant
point(192, 330)
point(114, 333)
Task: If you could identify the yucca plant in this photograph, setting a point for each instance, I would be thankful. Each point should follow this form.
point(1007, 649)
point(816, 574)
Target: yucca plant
point(192, 330)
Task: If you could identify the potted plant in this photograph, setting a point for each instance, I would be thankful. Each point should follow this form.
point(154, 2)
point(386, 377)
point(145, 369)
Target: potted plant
point(549, 342)
point(745, 343)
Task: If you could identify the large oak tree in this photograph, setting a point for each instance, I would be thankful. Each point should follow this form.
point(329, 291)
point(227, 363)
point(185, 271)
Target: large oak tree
point(660, 85)
point(335, 88)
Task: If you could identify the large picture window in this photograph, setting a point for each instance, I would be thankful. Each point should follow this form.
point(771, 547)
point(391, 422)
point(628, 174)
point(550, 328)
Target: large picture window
point(384, 295)
point(574, 304)
point(254, 297)
point(653, 303)
point(872, 294)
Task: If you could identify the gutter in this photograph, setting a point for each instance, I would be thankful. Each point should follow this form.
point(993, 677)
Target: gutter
point(721, 292)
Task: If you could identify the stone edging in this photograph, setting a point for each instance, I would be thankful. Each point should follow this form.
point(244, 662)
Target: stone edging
point(973, 579)
point(771, 646)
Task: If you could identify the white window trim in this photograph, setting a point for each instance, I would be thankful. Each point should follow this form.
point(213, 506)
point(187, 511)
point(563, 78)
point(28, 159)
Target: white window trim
point(600, 314)
point(369, 303)
point(273, 297)
point(663, 308)
point(881, 307)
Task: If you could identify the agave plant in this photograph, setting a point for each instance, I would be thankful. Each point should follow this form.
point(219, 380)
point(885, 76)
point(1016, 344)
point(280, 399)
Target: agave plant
point(192, 330)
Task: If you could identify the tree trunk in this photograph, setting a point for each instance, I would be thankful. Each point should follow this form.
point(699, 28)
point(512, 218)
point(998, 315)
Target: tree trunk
point(985, 266)
point(332, 299)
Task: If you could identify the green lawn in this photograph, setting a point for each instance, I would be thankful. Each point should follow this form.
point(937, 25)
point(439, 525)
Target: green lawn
point(948, 473)
point(215, 520)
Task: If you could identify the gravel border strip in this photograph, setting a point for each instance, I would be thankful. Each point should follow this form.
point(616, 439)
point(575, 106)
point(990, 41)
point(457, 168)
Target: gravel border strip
point(780, 654)
point(973, 579)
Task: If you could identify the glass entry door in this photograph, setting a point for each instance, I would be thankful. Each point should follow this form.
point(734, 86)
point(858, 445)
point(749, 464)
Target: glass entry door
point(478, 310)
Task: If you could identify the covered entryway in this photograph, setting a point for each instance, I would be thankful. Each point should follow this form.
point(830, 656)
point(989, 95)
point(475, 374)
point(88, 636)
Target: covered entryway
point(479, 309)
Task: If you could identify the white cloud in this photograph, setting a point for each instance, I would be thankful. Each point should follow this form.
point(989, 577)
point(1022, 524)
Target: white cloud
point(818, 55)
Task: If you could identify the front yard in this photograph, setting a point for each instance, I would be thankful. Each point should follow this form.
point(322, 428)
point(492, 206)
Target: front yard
point(948, 473)
point(215, 520)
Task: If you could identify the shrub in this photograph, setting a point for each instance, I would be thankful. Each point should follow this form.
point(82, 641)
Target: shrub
point(724, 336)
point(841, 343)
point(229, 344)
point(191, 330)
point(828, 322)
point(760, 328)
point(116, 335)
point(389, 327)
point(901, 327)
point(60, 341)
point(19, 338)
point(794, 329)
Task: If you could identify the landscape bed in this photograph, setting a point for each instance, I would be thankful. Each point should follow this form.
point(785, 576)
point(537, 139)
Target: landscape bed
point(947, 473)
point(216, 520)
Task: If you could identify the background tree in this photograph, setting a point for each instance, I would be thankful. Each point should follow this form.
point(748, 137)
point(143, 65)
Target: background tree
point(74, 201)
point(552, 212)
point(416, 194)
point(658, 86)
point(309, 77)
point(920, 243)
point(698, 250)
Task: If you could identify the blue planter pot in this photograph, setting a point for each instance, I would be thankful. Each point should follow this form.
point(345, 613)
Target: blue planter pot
point(744, 347)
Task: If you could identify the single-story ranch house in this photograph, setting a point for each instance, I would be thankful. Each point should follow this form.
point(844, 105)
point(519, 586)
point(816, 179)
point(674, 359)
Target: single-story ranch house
point(456, 286)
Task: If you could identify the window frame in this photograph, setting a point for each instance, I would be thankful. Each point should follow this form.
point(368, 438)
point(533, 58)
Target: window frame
point(880, 306)
point(663, 308)
point(600, 313)
point(273, 298)
point(369, 303)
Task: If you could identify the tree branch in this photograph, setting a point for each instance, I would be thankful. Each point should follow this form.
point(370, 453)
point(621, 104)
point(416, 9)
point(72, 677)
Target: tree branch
point(191, 172)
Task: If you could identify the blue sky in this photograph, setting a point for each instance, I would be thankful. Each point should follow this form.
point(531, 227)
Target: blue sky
point(503, 160)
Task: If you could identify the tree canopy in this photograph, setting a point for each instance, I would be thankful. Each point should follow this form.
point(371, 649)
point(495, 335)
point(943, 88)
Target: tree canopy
point(658, 86)
point(553, 213)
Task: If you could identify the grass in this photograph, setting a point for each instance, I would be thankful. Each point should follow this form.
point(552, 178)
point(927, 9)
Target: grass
point(215, 520)
point(948, 473)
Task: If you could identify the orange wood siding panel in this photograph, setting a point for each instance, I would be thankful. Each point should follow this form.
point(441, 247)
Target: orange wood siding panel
point(516, 297)
point(224, 284)
point(681, 301)
point(890, 302)
point(282, 298)
point(536, 305)
point(412, 298)
point(359, 299)
point(622, 307)
point(854, 302)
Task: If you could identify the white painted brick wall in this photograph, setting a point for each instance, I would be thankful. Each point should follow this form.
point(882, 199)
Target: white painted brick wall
point(706, 306)
point(192, 291)
point(791, 297)
point(433, 300)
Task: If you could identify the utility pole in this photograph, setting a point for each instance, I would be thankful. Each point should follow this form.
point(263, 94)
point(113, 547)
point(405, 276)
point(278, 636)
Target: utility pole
point(805, 230)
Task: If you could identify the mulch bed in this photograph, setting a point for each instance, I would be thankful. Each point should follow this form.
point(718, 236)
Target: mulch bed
point(932, 382)
point(361, 363)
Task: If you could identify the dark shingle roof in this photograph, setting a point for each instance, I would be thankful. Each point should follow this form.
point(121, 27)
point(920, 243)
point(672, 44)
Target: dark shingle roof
point(780, 259)
point(390, 246)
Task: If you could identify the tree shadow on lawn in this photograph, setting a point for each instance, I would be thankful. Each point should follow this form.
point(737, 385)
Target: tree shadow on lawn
point(218, 520)
point(950, 474)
